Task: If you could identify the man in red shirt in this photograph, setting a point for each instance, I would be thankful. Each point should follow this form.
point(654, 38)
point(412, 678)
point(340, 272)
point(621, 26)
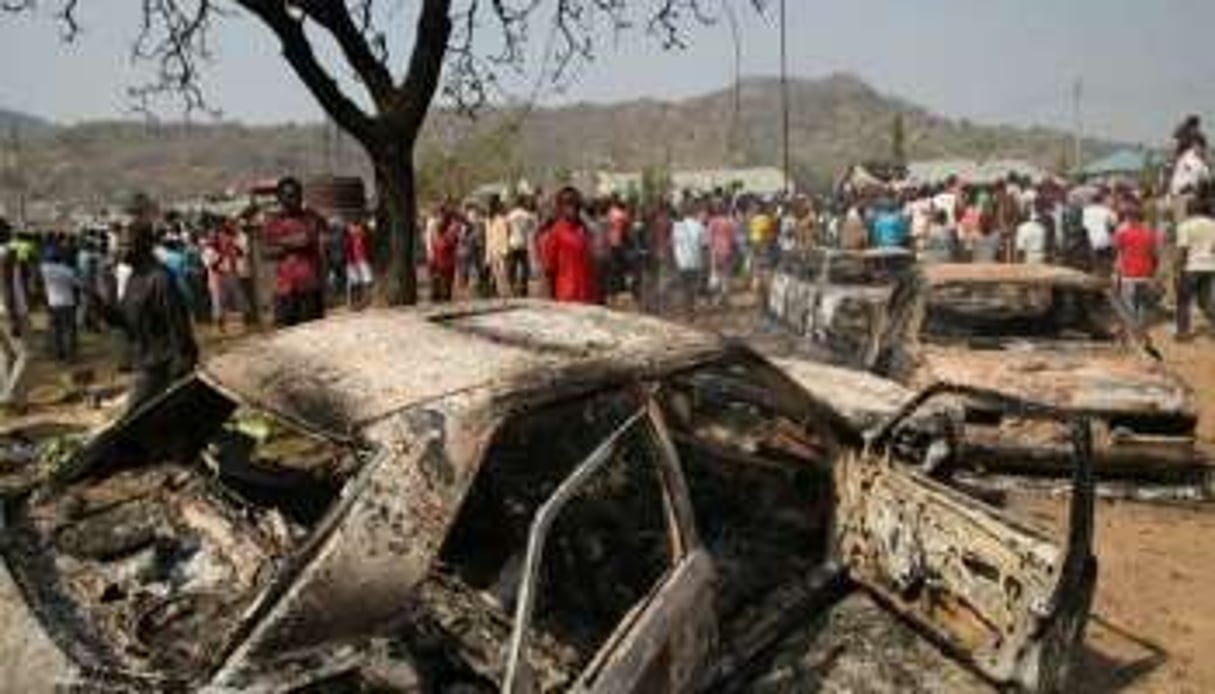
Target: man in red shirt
point(565, 251)
point(293, 239)
point(1137, 247)
point(359, 277)
point(443, 246)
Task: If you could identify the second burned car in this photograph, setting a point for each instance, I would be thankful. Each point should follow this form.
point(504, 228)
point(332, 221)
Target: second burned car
point(512, 497)
point(1043, 333)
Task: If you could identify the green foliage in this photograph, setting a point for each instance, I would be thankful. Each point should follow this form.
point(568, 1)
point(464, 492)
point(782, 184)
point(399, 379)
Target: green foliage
point(563, 176)
point(656, 184)
point(485, 157)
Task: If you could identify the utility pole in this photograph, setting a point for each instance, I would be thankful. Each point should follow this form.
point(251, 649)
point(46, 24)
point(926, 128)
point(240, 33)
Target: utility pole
point(784, 93)
point(736, 123)
point(13, 174)
point(1077, 125)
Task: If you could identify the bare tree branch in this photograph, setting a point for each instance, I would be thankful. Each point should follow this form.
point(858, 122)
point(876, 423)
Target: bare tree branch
point(174, 36)
point(299, 54)
point(335, 17)
point(416, 93)
point(67, 18)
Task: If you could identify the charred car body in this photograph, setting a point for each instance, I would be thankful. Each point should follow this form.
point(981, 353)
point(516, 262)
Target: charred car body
point(836, 298)
point(1044, 333)
point(512, 496)
point(1049, 334)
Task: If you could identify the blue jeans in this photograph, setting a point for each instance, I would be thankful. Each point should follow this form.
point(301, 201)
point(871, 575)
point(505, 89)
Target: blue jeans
point(1137, 297)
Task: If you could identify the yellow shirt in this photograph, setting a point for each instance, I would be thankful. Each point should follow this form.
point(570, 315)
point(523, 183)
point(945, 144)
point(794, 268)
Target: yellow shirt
point(760, 228)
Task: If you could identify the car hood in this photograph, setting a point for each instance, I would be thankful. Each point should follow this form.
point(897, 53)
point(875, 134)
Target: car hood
point(861, 398)
point(1102, 379)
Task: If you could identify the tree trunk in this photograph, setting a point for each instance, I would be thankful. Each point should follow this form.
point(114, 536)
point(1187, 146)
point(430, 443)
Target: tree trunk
point(394, 183)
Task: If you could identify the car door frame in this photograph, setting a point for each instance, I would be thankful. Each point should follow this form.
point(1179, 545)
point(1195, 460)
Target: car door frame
point(674, 621)
point(1037, 655)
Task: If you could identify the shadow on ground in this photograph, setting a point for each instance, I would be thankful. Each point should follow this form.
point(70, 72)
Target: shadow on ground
point(1116, 660)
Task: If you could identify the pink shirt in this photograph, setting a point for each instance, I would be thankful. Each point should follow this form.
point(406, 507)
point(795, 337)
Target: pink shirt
point(721, 238)
point(619, 222)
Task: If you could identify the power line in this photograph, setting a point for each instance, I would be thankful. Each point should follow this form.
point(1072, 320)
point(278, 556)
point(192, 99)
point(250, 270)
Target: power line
point(1077, 125)
point(784, 92)
point(736, 37)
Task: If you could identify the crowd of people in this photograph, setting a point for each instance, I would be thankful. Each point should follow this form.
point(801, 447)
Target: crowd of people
point(157, 275)
point(594, 251)
point(154, 277)
point(1146, 237)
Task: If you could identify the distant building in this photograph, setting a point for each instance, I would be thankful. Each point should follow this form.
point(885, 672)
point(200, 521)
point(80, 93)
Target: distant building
point(763, 181)
point(986, 172)
point(869, 175)
point(1124, 165)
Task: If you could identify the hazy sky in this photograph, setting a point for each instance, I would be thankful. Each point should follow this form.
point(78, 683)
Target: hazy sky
point(1143, 63)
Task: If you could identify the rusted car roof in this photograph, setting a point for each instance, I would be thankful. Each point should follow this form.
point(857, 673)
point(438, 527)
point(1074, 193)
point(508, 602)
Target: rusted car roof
point(350, 370)
point(1029, 273)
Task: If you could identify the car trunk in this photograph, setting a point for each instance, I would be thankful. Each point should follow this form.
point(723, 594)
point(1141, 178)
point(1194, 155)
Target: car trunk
point(147, 553)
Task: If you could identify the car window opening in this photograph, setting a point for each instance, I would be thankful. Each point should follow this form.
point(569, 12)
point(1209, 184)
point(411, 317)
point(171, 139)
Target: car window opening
point(161, 550)
point(868, 270)
point(607, 549)
point(759, 479)
point(1007, 312)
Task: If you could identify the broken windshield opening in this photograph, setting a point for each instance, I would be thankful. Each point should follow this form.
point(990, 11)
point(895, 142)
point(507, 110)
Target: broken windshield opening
point(1001, 312)
point(147, 557)
point(868, 270)
point(758, 469)
point(606, 550)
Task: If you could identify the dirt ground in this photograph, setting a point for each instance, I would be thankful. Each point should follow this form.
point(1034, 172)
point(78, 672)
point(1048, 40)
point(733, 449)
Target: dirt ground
point(1153, 625)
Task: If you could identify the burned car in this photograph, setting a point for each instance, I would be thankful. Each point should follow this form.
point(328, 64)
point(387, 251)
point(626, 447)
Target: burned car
point(836, 298)
point(512, 496)
point(1044, 333)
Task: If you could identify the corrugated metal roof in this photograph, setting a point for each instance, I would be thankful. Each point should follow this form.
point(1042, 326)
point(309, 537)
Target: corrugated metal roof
point(1124, 161)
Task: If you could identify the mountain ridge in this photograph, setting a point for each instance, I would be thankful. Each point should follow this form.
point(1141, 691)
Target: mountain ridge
point(834, 121)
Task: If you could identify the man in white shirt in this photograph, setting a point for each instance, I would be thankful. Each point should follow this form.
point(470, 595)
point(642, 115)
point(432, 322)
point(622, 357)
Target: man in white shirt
point(1195, 265)
point(1099, 220)
point(523, 225)
point(1190, 171)
point(689, 240)
point(947, 201)
point(1030, 241)
point(61, 283)
point(919, 211)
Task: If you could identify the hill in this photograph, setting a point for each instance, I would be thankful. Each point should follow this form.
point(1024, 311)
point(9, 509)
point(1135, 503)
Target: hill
point(22, 125)
point(834, 121)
